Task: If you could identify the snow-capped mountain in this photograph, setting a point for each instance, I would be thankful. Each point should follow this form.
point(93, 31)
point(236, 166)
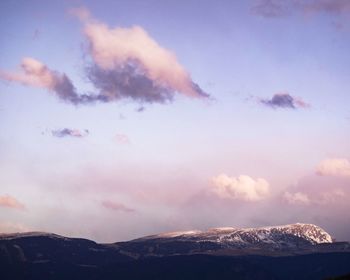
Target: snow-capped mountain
point(287, 239)
point(308, 233)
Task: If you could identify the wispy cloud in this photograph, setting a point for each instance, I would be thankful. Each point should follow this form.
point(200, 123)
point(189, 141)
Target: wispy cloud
point(271, 8)
point(339, 167)
point(282, 8)
point(11, 202)
point(240, 188)
point(116, 206)
point(64, 132)
point(296, 198)
point(326, 6)
point(284, 100)
point(320, 198)
point(122, 139)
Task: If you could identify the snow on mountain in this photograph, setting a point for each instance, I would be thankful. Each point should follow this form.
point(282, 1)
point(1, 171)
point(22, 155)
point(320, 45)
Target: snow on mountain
point(294, 234)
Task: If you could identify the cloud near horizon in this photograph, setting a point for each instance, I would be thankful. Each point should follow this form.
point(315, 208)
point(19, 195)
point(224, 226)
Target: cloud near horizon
point(284, 100)
point(320, 198)
point(240, 188)
point(296, 198)
point(339, 167)
point(11, 202)
point(116, 206)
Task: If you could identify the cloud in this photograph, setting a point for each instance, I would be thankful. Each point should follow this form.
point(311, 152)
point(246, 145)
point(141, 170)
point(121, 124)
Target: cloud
point(339, 167)
point(11, 202)
point(322, 190)
point(108, 204)
point(122, 139)
point(241, 188)
point(282, 8)
point(129, 63)
point(64, 132)
point(321, 198)
point(270, 8)
point(284, 100)
point(327, 6)
point(125, 63)
point(296, 198)
point(35, 73)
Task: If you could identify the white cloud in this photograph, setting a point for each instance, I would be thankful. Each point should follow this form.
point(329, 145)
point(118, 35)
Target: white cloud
point(241, 188)
point(339, 167)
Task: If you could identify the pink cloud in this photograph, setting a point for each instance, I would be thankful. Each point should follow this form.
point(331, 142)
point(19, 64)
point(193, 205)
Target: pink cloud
point(296, 198)
point(241, 188)
point(33, 73)
point(307, 198)
point(11, 202)
point(127, 63)
point(108, 204)
point(339, 167)
point(116, 48)
point(321, 190)
point(37, 74)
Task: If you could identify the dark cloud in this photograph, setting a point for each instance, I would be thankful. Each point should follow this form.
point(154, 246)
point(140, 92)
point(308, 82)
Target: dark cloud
point(127, 82)
point(65, 90)
point(284, 100)
point(69, 132)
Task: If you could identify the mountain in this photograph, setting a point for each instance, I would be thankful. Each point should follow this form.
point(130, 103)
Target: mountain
point(277, 240)
point(298, 251)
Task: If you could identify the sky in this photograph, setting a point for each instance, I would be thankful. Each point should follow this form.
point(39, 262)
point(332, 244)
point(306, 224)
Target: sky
point(121, 119)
